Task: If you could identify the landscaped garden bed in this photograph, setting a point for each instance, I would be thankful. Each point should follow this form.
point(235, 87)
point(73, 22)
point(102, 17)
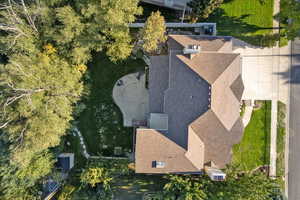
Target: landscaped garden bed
point(101, 123)
point(254, 149)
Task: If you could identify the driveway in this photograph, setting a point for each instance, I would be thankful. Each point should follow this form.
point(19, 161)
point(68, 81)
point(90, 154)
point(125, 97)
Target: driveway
point(130, 94)
point(263, 71)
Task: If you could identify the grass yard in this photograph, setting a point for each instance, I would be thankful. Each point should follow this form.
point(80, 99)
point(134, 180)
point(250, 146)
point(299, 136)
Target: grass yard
point(281, 114)
point(134, 187)
point(101, 123)
point(249, 20)
point(253, 150)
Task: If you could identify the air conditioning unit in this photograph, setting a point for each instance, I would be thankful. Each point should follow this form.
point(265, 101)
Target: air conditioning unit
point(192, 49)
point(215, 174)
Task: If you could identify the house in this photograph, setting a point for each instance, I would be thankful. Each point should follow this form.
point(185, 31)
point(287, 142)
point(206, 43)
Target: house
point(194, 112)
point(173, 4)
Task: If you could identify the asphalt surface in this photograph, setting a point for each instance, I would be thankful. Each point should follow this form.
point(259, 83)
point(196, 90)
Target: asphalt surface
point(294, 124)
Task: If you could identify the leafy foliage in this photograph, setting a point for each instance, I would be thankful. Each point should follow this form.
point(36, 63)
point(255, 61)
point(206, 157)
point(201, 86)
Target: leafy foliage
point(244, 186)
point(154, 32)
point(184, 188)
point(289, 16)
point(96, 175)
point(109, 19)
point(47, 45)
point(202, 8)
point(238, 186)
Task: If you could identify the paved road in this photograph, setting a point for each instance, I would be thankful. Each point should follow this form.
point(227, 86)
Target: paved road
point(294, 148)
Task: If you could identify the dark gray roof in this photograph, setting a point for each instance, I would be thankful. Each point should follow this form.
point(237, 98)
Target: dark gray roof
point(186, 99)
point(158, 82)
point(63, 163)
point(202, 101)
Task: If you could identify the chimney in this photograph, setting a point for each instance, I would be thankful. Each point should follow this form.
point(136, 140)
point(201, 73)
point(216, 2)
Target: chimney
point(192, 50)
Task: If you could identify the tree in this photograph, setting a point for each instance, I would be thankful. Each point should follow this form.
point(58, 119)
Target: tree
point(109, 19)
point(203, 8)
point(38, 89)
point(289, 17)
point(47, 45)
point(184, 188)
point(95, 175)
point(238, 185)
point(153, 32)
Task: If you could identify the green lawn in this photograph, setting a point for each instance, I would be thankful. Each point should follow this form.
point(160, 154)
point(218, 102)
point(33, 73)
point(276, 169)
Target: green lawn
point(281, 114)
point(253, 150)
point(249, 20)
point(101, 123)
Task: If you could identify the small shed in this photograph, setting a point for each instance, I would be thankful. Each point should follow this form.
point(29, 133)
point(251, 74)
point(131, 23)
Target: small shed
point(65, 161)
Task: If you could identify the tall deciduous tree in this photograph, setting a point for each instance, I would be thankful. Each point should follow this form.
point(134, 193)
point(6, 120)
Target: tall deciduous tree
point(154, 32)
point(202, 8)
point(47, 44)
point(184, 188)
point(38, 89)
point(109, 19)
point(96, 175)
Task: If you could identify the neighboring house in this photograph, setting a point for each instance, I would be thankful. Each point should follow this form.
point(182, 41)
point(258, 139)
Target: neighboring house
point(174, 4)
point(194, 114)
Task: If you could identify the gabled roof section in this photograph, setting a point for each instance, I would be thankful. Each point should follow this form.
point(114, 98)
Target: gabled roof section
point(152, 146)
point(207, 43)
point(237, 87)
point(209, 66)
point(217, 140)
point(223, 101)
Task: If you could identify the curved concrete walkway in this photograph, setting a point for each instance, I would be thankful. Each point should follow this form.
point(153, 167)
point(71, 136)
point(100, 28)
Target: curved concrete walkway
point(130, 94)
point(247, 115)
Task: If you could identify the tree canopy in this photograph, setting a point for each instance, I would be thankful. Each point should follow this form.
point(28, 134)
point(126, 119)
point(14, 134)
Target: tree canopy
point(203, 8)
point(238, 186)
point(289, 16)
point(47, 45)
point(153, 32)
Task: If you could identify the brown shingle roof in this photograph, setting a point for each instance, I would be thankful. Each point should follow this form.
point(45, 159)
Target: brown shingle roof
point(211, 134)
point(209, 65)
point(152, 146)
point(237, 87)
point(207, 43)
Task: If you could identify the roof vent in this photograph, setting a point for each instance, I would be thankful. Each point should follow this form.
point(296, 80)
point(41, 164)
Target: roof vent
point(159, 164)
point(191, 50)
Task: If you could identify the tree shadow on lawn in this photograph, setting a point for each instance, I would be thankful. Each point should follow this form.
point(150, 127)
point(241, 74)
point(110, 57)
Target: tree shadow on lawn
point(101, 123)
point(238, 28)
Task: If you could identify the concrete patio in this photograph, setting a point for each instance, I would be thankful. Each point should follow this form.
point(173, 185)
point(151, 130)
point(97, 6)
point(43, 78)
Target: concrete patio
point(130, 94)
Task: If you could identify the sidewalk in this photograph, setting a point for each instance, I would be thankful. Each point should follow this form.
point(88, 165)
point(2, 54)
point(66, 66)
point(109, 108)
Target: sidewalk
point(275, 94)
